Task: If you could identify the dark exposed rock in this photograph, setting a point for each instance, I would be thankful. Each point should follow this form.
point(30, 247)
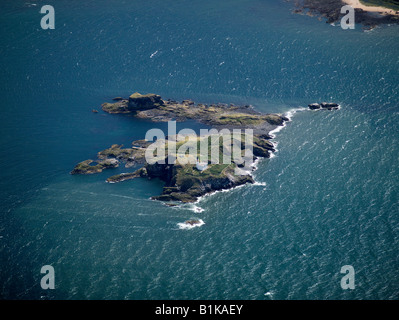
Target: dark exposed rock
point(329, 106)
point(188, 102)
point(314, 106)
point(265, 144)
point(276, 120)
point(138, 102)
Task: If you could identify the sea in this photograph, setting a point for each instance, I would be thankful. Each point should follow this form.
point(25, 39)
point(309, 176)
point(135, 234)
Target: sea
point(328, 198)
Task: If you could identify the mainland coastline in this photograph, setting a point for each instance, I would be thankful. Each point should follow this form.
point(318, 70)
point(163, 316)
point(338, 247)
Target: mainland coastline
point(357, 4)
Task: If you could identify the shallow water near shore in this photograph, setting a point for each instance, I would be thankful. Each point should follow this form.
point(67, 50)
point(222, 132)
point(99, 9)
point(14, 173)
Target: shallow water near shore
point(328, 198)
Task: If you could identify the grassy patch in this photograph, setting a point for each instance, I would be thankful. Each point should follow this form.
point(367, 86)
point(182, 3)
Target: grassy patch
point(240, 119)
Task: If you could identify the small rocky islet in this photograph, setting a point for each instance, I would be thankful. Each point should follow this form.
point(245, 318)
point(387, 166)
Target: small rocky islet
point(324, 105)
point(185, 182)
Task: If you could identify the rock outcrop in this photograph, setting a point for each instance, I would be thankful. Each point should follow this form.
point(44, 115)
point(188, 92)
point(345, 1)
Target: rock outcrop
point(140, 102)
point(324, 105)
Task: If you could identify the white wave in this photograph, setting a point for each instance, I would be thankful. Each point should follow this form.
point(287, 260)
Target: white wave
point(277, 130)
point(196, 209)
point(122, 196)
point(269, 294)
point(188, 226)
point(254, 165)
point(151, 56)
point(289, 114)
point(315, 110)
point(258, 183)
point(189, 206)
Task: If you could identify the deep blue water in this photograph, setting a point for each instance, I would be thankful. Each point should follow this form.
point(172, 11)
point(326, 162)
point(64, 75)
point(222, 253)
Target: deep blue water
point(329, 198)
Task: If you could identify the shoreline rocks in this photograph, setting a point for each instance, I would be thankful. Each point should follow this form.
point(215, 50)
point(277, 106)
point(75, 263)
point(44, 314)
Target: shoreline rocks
point(140, 102)
point(87, 167)
point(219, 116)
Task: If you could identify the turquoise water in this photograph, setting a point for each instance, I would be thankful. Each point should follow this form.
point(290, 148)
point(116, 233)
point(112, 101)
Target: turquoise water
point(328, 198)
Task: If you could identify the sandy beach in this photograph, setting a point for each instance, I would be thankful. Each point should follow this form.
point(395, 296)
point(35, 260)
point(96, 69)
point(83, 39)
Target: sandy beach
point(358, 5)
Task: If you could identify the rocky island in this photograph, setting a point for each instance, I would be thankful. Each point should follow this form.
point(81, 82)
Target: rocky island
point(152, 107)
point(185, 181)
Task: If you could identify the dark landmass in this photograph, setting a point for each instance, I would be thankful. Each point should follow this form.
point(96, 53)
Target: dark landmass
point(193, 222)
point(324, 105)
point(152, 107)
point(331, 10)
point(187, 182)
point(91, 166)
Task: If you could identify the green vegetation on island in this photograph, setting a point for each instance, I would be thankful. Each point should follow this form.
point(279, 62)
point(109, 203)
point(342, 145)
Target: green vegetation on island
point(195, 171)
